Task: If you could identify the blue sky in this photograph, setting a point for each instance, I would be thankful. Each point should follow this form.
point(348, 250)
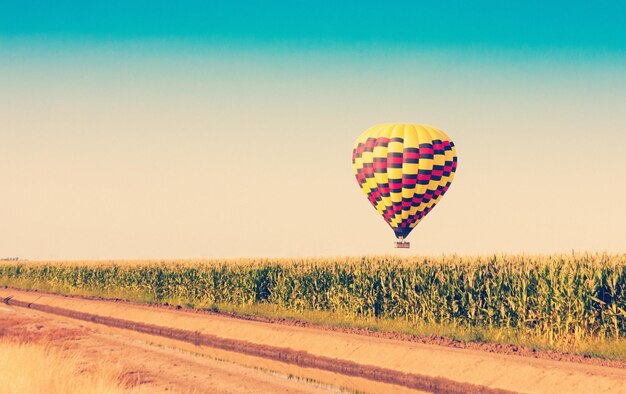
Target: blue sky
point(546, 25)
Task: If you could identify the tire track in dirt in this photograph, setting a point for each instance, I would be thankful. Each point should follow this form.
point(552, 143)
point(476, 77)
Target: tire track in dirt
point(286, 355)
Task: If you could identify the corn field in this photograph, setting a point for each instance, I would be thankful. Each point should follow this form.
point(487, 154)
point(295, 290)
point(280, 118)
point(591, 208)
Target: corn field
point(573, 296)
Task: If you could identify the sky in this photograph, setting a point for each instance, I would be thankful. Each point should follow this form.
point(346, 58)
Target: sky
point(208, 130)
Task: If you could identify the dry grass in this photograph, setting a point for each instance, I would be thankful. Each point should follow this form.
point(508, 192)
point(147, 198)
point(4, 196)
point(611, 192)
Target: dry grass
point(37, 368)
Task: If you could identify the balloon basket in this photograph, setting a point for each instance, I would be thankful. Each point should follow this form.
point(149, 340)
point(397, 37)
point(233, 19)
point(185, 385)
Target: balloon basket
point(402, 245)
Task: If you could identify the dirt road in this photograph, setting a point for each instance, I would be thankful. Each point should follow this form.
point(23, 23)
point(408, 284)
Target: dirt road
point(260, 356)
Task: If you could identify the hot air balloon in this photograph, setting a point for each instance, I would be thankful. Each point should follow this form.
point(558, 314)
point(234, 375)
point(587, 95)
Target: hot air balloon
point(404, 170)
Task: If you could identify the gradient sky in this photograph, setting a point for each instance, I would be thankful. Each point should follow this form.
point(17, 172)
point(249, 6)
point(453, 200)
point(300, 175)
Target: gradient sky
point(225, 130)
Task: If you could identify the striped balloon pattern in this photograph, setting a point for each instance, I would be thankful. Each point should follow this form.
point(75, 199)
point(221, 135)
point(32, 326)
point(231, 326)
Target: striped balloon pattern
point(404, 170)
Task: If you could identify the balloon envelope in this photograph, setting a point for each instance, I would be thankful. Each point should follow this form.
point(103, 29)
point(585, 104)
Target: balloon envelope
point(404, 170)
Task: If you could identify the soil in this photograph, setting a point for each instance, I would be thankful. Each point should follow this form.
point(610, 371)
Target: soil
point(373, 360)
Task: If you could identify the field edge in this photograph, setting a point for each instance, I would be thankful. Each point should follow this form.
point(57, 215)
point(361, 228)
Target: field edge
point(602, 351)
